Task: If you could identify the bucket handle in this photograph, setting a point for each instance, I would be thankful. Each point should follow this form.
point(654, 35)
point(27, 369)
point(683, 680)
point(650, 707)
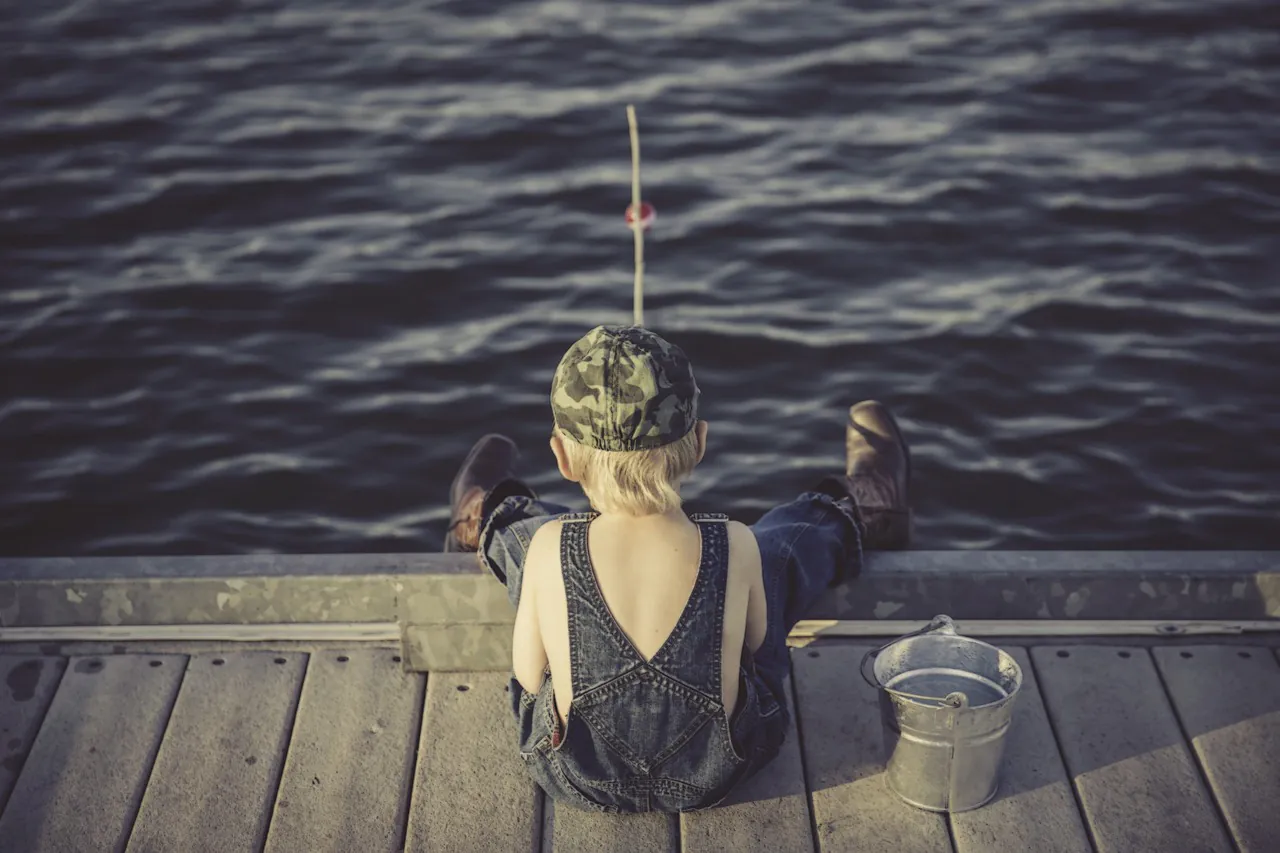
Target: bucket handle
point(940, 625)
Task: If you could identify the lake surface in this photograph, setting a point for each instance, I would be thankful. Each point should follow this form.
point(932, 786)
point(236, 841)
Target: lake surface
point(268, 268)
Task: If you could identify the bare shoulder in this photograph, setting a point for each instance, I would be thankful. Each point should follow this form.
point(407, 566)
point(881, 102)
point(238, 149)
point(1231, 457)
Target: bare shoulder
point(742, 537)
point(744, 551)
point(544, 549)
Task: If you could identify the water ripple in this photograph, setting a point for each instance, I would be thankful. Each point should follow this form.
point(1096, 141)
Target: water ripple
point(268, 268)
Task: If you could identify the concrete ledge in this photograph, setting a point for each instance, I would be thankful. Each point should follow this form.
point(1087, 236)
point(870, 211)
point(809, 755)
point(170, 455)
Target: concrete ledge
point(447, 590)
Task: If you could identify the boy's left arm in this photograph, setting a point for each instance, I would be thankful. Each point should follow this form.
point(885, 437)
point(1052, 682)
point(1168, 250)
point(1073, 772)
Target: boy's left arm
point(528, 654)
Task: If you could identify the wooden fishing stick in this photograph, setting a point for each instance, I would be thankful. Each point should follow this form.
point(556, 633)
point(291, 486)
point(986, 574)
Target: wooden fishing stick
point(636, 225)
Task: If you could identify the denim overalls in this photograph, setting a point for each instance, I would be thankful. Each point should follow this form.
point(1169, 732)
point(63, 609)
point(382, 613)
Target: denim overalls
point(654, 735)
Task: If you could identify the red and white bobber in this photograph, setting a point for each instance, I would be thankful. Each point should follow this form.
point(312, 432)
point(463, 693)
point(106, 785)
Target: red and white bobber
point(647, 215)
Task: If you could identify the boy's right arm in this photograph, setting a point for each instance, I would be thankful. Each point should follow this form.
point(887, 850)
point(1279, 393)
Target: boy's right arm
point(744, 539)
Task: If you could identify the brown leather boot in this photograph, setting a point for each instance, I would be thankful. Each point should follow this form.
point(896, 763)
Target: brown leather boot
point(877, 471)
point(491, 460)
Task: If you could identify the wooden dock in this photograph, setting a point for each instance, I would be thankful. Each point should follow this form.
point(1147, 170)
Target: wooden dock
point(1117, 745)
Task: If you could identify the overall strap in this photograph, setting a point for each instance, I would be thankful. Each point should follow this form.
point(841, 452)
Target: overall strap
point(598, 650)
point(692, 652)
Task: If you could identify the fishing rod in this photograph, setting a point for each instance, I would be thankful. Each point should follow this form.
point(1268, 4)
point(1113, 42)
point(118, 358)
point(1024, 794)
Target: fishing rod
point(642, 211)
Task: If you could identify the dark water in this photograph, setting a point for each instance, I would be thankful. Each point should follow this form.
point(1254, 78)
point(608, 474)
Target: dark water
point(270, 267)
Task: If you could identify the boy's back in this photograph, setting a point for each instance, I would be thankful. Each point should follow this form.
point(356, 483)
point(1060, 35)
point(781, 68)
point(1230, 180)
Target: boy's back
point(646, 569)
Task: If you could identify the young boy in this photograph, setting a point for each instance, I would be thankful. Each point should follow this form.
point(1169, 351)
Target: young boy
point(649, 652)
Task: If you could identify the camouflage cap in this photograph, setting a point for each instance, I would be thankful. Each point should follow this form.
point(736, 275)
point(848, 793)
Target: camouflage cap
point(624, 388)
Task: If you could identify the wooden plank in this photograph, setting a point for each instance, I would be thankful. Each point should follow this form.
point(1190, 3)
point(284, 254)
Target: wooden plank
point(27, 684)
point(578, 831)
point(770, 811)
point(470, 792)
point(83, 780)
point(1035, 808)
point(216, 773)
point(353, 742)
point(1138, 785)
point(840, 733)
point(1228, 699)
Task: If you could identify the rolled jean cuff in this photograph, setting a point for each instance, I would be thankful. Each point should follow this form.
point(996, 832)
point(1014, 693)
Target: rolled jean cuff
point(507, 488)
point(506, 529)
point(855, 531)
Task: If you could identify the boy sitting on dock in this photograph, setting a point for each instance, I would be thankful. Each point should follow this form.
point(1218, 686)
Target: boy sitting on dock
point(649, 652)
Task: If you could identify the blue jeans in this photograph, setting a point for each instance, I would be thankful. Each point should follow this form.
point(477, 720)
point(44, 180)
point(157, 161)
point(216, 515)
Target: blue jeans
point(806, 545)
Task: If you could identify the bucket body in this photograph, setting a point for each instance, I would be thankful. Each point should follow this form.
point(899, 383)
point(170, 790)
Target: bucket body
point(946, 702)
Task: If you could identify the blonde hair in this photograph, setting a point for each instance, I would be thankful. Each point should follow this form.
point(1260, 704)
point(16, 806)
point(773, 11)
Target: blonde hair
point(632, 482)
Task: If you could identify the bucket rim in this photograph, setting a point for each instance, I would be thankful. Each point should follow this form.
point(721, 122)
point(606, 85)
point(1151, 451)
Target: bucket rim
point(943, 626)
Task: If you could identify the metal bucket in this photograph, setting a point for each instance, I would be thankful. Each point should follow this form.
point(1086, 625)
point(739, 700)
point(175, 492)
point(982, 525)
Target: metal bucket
point(945, 704)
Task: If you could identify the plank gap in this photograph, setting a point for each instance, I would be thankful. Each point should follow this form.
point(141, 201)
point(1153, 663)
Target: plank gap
point(411, 778)
point(1057, 742)
point(1195, 755)
point(155, 754)
point(284, 758)
point(548, 824)
point(804, 769)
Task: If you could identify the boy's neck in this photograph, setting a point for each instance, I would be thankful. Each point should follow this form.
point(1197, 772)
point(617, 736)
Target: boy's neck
point(675, 516)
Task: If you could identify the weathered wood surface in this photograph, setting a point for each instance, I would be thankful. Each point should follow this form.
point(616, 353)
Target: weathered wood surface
point(471, 791)
point(216, 774)
point(81, 785)
point(1129, 748)
point(1138, 784)
point(853, 808)
point(1229, 702)
point(577, 831)
point(27, 683)
point(357, 750)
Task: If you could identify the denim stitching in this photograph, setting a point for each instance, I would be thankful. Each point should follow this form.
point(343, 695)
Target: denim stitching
point(683, 738)
point(659, 784)
point(662, 681)
point(689, 613)
point(567, 532)
point(572, 789)
point(611, 687)
point(710, 582)
point(721, 536)
point(580, 566)
point(612, 740)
